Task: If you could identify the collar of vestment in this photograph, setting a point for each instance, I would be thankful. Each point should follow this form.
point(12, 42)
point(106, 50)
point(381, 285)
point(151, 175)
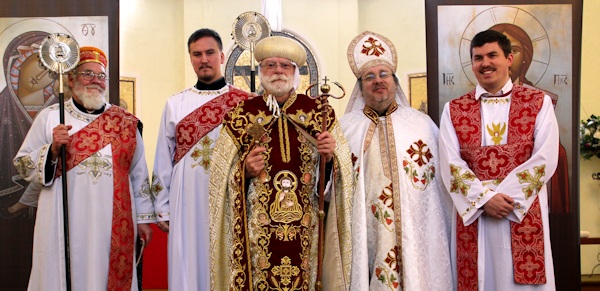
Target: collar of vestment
point(216, 85)
point(374, 116)
point(82, 109)
point(506, 89)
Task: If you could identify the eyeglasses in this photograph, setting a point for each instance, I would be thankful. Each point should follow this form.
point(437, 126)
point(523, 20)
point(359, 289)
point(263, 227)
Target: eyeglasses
point(89, 75)
point(273, 65)
point(371, 76)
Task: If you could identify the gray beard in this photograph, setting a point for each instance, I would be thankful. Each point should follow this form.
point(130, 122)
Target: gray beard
point(90, 100)
point(277, 89)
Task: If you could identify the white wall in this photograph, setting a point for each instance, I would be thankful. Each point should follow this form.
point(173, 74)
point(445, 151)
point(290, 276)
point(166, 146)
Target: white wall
point(152, 51)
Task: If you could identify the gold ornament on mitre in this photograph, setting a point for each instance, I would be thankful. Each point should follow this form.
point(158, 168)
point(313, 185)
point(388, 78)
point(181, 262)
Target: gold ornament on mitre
point(370, 49)
point(282, 47)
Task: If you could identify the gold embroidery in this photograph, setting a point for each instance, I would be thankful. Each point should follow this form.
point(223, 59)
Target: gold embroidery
point(535, 182)
point(96, 166)
point(286, 232)
point(285, 208)
point(24, 164)
point(146, 190)
point(424, 179)
point(395, 178)
point(203, 154)
point(369, 136)
point(156, 185)
point(284, 142)
point(302, 118)
point(505, 100)
point(316, 121)
point(497, 132)
point(145, 216)
point(457, 184)
point(238, 119)
point(371, 114)
point(492, 182)
point(384, 150)
point(261, 118)
point(474, 203)
point(286, 271)
point(269, 219)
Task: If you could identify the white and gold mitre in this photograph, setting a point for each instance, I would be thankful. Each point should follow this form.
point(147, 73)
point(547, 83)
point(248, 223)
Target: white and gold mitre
point(370, 49)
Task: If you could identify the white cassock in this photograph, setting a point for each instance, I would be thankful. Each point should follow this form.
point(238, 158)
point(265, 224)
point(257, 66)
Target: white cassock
point(398, 194)
point(182, 192)
point(90, 201)
point(495, 262)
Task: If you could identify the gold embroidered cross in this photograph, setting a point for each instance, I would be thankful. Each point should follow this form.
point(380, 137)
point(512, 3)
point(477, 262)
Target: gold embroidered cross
point(95, 164)
point(457, 184)
point(203, 154)
point(286, 271)
point(535, 181)
point(156, 187)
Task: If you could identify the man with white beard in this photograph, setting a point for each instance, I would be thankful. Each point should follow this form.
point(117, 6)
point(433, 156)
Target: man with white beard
point(108, 191)
point(263, 197)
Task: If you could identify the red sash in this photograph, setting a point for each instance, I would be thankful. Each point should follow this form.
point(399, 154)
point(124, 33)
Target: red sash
point(118, 128)
point(496, 162)
point(203, 120)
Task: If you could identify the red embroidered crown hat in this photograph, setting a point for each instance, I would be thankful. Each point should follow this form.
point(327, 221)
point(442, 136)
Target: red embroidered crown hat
point(370, 49)
point(89, 54)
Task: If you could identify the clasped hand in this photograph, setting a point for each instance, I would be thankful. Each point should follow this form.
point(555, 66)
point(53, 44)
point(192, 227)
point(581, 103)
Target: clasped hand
point(499, 206)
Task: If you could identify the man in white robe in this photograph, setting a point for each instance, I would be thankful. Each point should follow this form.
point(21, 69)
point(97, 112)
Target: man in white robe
point(190, 125)
point(498, 148)
point(108, 190)
point(401, 213)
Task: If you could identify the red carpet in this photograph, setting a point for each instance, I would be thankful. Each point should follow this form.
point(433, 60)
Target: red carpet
point(155, 261)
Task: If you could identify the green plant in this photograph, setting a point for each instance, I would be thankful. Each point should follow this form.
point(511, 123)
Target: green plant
point(589, 137)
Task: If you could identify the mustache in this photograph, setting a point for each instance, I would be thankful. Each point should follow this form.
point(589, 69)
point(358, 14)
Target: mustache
point(487, 68)
point(276, 77)
point(205, 67)
point(97, 87)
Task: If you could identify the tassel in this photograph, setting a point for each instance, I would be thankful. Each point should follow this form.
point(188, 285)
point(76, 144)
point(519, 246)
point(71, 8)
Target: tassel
point(273, 106)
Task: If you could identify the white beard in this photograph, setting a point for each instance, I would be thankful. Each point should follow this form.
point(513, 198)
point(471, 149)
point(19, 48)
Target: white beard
point(92, 100)
point(278, 89)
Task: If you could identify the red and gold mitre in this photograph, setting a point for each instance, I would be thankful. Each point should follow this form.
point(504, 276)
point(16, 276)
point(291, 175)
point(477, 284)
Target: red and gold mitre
point(370, 49)
point(89, 54)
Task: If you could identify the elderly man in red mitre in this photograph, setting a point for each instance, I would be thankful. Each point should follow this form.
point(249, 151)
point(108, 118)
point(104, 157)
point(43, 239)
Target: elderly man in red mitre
point(263, 197)
point(109, 200)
